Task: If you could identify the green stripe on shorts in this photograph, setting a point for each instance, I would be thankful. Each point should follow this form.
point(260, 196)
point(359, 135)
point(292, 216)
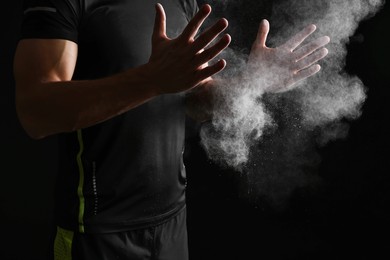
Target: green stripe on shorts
point(63, 244)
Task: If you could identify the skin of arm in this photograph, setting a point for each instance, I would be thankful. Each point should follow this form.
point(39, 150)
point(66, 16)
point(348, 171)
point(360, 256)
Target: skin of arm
point(48, 101)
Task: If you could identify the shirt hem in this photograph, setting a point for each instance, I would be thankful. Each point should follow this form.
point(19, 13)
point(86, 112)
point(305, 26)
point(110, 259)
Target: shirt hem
point(100, 228)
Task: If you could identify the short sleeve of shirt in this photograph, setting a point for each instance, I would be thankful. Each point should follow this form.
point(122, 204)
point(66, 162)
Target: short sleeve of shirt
point(51, 19)
point(195, 7)
point(191, 8)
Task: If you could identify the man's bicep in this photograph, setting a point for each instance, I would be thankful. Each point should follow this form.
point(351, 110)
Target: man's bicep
point(48, 50)
point(44, 60)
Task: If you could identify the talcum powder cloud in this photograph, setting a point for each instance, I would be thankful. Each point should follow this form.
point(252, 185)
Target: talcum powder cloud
point(241, 115)
point(273, 138)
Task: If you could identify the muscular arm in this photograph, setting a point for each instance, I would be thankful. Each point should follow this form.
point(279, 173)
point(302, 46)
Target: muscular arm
point(49, 102)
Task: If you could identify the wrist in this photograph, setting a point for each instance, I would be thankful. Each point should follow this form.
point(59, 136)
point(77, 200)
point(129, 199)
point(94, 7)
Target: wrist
point(140, 79)
point(145, 75)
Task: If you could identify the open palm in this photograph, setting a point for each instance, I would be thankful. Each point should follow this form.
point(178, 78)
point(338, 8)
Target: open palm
point(281, 67)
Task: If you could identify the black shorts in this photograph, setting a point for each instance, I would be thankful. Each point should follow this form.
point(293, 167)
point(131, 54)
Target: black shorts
point(165, 241)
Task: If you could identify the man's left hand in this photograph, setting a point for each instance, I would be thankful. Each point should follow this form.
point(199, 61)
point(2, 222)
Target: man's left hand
point(281, 67)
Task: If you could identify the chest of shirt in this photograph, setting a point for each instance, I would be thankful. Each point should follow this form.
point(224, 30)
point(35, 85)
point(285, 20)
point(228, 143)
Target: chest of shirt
point(116, 34)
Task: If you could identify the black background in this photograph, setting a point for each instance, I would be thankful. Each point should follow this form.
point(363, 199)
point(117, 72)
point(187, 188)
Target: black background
point(346, 219)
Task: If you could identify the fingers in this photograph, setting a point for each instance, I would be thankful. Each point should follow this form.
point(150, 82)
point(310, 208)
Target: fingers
point(159, 30)
point(193, 26)
point(213, 51)
point(305, 73)
point(297, 39)
point(311, 47)
point(262, 34)
point(209, 35)
point(210, 70)
point(311, 59)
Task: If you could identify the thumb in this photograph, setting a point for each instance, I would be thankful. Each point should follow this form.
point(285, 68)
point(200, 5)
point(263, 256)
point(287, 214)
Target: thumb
point(262, 34)
point(159, 23)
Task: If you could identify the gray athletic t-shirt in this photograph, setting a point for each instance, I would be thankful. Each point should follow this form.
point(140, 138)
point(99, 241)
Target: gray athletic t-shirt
point(126, 172)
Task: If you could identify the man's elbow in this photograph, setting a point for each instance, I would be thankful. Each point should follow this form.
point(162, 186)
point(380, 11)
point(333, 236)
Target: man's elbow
point(26, 120)
point(29, 127)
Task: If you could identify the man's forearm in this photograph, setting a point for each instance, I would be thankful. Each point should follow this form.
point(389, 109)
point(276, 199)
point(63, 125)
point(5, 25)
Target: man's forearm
point(65, 106)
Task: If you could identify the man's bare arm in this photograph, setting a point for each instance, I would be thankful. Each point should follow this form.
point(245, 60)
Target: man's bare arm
point(49, 102)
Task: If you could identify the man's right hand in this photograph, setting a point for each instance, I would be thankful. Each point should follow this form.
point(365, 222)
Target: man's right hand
point(181, 64)
point(48, 101)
